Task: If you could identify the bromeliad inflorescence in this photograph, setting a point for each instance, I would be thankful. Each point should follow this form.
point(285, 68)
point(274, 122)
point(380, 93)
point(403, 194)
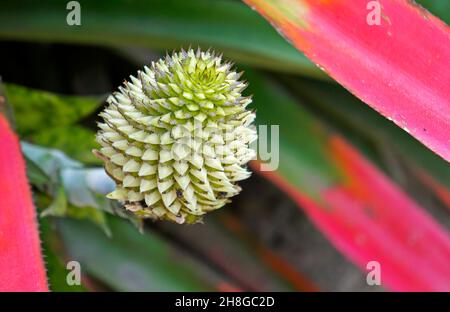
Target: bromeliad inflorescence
point(176, 137)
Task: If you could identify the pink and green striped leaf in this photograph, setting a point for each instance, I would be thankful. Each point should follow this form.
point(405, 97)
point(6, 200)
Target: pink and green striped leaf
point(399, 67)
point(363, 214)
point(366, 128)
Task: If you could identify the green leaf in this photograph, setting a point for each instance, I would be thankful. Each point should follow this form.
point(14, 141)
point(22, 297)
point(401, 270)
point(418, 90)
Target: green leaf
point(58, 207)
point(56, 268)
point(303, 139)
point(228, 26)
point(76, 141)
point(84, 188)
point(36, 175)
point(95, 215)
point(37, 110)
point(68, 182)
point(131, 261)
point(438, 7)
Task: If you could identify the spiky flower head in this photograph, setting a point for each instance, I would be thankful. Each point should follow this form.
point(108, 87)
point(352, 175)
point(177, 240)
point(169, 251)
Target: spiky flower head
point(176, 137)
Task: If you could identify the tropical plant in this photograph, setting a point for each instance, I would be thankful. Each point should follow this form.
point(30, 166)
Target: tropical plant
point(372, 190)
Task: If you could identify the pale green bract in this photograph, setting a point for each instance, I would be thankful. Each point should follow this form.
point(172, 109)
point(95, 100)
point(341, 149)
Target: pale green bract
point(175, 139)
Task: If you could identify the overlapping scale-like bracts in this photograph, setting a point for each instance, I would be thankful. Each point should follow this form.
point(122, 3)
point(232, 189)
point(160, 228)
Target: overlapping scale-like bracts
point(175, 139)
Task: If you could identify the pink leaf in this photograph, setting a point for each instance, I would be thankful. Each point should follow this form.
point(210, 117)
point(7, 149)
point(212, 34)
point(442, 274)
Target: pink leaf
point(21, 264)
point(401, 68)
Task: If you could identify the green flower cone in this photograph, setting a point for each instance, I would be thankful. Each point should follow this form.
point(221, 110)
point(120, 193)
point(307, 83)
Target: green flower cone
point(175, 139)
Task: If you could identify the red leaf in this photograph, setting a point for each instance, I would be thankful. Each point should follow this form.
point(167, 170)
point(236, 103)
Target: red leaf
point(401, 68)
point(21, 264)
